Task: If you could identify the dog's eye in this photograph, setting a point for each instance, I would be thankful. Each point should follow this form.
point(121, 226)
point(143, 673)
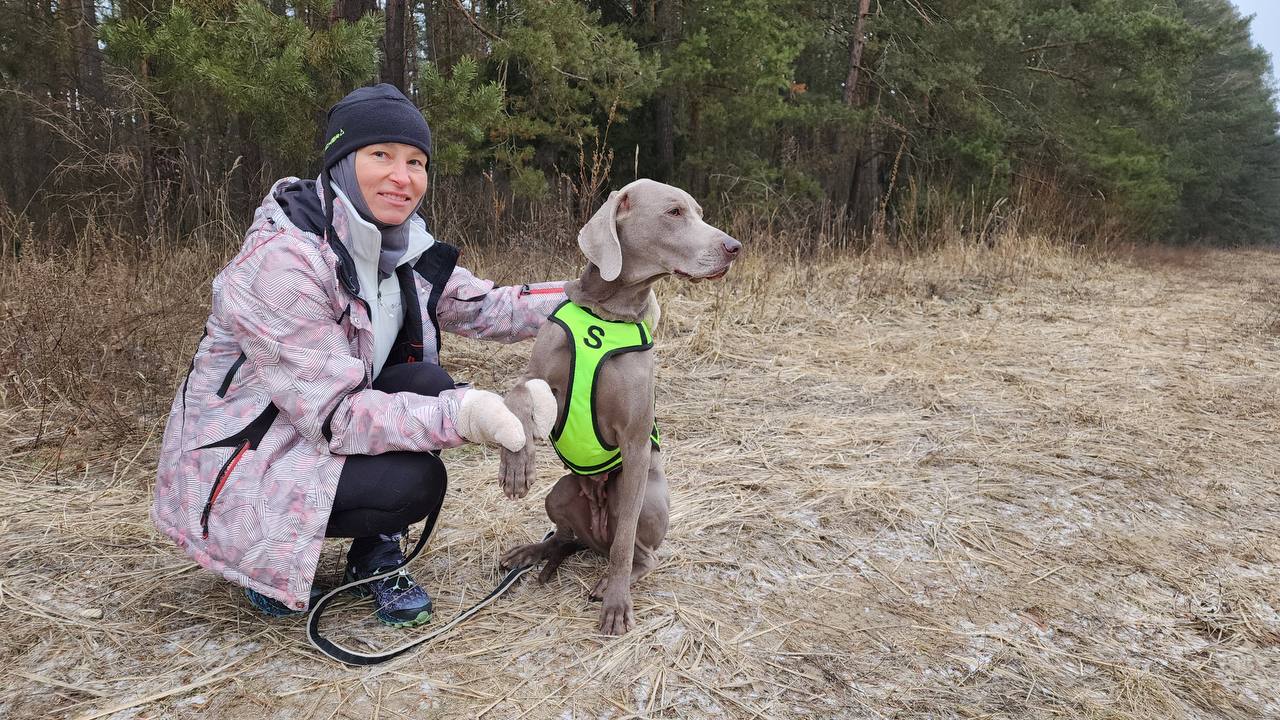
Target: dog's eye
point(674, 212)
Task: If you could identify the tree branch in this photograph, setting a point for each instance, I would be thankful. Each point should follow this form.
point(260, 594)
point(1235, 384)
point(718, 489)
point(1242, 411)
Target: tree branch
point(476, 23)
point(1047, 46)
point(1057, 74)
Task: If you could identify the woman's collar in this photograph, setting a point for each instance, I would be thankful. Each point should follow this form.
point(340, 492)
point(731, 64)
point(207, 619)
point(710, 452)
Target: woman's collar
point(365, 239)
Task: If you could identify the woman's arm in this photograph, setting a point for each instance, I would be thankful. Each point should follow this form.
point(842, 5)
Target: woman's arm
point(282, 317)
point(475, 308)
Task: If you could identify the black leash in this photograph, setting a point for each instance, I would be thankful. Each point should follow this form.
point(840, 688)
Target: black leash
point(352, 657)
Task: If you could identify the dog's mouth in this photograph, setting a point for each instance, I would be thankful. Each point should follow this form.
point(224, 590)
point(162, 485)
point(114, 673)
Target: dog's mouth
point(699, 278)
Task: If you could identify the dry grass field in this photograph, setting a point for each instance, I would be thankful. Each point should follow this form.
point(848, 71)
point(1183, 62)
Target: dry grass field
point(1009, 482)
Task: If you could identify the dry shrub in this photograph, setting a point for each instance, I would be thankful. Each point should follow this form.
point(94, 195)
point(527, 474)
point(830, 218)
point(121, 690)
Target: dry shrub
point(95, 339)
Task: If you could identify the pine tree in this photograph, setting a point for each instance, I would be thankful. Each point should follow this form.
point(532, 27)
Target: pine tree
point(1226, 153)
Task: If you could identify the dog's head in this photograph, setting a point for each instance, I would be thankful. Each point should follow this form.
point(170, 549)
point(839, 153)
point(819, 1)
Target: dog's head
point(648, 229)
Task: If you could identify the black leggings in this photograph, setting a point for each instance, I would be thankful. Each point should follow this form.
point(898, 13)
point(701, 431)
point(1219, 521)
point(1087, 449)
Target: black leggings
point(384, 494)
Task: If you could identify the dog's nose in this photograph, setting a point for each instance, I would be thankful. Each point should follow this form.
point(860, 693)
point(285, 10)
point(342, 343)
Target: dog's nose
point(731, 246)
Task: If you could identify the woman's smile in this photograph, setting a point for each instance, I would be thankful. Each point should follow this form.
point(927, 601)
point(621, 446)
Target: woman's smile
point(395, 199)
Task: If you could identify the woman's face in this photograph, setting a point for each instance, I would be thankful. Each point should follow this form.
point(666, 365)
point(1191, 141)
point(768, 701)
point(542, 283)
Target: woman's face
point(393, 178)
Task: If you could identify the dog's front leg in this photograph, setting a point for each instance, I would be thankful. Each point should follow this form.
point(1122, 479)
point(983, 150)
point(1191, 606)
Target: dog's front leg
point(532, 402)
point(616, 617)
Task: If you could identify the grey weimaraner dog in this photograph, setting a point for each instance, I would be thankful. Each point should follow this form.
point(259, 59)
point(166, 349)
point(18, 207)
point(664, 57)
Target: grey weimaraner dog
point(643, 232)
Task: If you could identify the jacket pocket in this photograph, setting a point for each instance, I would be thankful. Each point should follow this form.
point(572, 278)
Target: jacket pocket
point(219, 483)
point(247, 439)
point(226, 381)
point(224, 422)
point(251, 434)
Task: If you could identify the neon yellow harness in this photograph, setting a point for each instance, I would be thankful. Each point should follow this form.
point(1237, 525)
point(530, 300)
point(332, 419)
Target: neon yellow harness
point(576, 435)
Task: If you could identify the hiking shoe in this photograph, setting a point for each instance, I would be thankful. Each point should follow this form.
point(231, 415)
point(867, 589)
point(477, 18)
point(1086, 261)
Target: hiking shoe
point(401, 602)
point(275, 608)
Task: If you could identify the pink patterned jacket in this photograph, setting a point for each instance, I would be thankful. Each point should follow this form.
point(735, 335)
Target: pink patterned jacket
point(278, 393)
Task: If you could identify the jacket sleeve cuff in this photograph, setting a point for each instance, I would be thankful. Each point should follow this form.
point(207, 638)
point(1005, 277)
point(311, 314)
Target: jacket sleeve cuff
point(451, 401)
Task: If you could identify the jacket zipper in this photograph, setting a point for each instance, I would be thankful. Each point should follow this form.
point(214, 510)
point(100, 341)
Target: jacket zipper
point(368, 313)
point(221, 480)
point(526, 290)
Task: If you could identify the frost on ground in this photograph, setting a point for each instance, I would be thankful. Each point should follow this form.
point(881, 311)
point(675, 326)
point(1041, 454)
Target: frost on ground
point(969, 484)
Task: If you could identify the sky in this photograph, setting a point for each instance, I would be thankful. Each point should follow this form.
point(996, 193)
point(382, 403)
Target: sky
point(1266, 27)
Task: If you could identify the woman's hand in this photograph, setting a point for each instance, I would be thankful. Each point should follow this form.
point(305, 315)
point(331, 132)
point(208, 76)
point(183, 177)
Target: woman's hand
point(484, 418)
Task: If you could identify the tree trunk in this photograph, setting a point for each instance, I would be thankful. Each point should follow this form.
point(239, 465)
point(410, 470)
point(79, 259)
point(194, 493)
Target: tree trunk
point(82, 19)
point(147, 149)
point(411, 47)
point(867, 184)
point(393, 43)
point(423, 49)
point(857, 41)
point(55, 72)
point(667, 16)
point(865, 178)
point(351, 10)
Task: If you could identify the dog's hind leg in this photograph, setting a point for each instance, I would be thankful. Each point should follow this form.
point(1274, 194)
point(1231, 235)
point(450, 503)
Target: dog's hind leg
point(568, 510)
point(557, 554)
point(554, 550)
point(531, 554)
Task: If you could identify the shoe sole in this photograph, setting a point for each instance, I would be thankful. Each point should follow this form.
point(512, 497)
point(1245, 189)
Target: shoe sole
point(422, 618)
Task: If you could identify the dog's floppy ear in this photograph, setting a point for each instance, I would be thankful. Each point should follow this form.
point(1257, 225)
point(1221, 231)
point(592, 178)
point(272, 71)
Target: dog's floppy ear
point(598, 239)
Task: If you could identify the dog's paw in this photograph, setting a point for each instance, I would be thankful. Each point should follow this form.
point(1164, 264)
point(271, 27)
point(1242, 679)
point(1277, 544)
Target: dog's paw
point(523, 556)
point(616, 617)
point(515, 472)
point(597, 592)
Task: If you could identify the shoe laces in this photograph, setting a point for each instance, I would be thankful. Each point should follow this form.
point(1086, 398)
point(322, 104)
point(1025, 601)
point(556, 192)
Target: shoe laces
point(401, 581)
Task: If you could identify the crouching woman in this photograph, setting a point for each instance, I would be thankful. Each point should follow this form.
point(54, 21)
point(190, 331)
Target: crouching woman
point(315, 405)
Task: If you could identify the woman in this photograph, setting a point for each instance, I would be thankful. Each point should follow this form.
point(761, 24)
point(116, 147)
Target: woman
point(315, 404)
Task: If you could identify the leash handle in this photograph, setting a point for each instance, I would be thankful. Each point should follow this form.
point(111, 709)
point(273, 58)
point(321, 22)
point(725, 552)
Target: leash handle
point(335, 651)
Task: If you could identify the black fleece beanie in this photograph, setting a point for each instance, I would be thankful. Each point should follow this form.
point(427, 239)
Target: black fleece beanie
point(375, 114)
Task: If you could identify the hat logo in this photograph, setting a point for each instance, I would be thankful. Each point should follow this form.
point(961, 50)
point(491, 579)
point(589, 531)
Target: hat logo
point(334, 139)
